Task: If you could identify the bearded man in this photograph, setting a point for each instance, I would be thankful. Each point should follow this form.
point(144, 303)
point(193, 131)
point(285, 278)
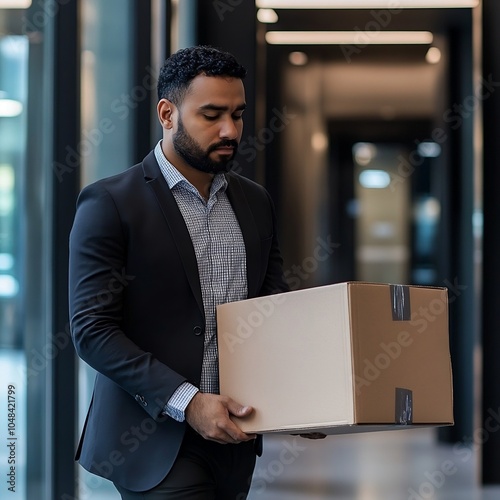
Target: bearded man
point(183, 234)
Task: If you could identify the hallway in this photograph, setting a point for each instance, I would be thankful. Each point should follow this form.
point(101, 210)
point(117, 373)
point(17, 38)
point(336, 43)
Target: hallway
point(398, 465)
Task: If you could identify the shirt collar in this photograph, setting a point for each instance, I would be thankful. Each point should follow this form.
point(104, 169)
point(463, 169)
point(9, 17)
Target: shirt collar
point(173, 177)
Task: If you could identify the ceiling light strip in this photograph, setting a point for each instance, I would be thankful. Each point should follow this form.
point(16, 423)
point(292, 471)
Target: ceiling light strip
point(15, 4)
point(349, 38)
point(366, 4)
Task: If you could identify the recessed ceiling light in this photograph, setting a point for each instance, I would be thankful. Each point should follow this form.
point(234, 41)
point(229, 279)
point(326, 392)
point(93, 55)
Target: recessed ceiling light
point(7, 178)
point(364, 153)
point(433, 55)
point(429, 149)
point(298, 58)
point(10, 108)
point(267, 16)
point(319, 141)
point(348, 38)
point(374, 179)
point(9, 286)
point(6, 261)
point(365, 4)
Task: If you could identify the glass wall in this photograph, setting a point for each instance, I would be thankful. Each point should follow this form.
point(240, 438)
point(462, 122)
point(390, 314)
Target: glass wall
point(382, 221)
point(108, 99)
point(30, 185)
point(13, 109)
point(107, 105)
point(13, 63)
point(27, 346)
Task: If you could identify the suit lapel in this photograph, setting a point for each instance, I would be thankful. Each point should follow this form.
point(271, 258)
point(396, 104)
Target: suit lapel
point(249, 230)
point(175, 222)
point(177, 226)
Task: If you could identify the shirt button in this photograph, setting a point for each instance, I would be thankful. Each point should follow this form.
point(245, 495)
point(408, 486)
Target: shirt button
point(197, 330)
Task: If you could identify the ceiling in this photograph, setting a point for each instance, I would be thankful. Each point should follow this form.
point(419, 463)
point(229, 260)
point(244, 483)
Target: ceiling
point(385, 82)
point(437, 20)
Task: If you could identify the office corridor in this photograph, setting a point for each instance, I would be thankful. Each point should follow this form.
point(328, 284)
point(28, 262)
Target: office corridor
point(394, 465)
point(398, 465)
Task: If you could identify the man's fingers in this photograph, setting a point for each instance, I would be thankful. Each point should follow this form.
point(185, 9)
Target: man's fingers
point(232, 429)
point(313, 435)
point(209, 415)
point(235, 434)
point(238, 410)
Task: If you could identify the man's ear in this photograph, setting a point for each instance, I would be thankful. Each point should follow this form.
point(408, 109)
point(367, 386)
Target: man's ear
point(166, 110)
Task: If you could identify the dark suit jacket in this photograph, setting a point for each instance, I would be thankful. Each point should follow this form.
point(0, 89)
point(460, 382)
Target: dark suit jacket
point(137, 314)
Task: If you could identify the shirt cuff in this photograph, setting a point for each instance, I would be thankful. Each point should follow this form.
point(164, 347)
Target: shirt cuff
point(179, 400)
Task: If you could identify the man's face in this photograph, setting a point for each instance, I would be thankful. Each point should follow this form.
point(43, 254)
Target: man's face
point(209, 123)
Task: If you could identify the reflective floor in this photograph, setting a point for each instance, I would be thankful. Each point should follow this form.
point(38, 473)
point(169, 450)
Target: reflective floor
point(398, 465)
point(395, 465)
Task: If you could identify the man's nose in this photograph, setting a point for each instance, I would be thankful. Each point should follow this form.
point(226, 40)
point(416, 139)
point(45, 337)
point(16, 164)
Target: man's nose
point(228, 129)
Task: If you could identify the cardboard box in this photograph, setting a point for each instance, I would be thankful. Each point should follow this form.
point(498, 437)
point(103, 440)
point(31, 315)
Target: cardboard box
point(341, 358)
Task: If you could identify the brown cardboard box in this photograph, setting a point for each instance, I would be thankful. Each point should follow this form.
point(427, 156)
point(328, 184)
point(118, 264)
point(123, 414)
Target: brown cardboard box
point(348, 357)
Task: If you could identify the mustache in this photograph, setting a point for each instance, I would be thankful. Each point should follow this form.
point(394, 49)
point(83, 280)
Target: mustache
point(227, 143)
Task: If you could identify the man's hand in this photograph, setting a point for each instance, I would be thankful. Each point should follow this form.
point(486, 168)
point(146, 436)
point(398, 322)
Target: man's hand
point(208, 415)
point(313, 435)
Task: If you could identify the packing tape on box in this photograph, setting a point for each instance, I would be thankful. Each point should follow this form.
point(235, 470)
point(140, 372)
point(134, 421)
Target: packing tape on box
point(400, 300)
point(404, 406)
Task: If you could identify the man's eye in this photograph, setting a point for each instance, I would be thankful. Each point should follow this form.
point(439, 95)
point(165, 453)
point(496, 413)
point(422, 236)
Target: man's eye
point(237, 117)
point(211, 117)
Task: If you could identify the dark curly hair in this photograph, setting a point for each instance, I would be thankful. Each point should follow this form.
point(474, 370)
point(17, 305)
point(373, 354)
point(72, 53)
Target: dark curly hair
point(184, 65)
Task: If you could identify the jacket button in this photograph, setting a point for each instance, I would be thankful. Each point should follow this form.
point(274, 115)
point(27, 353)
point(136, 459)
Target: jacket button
point(141, 399)
point(197, 330)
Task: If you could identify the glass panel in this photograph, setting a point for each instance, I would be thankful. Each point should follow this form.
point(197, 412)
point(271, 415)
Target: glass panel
point(108, 100)
point(13, 104)
point(384, 214)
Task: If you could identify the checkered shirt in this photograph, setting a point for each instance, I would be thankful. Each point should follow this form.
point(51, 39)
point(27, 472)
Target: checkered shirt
point(221, 257)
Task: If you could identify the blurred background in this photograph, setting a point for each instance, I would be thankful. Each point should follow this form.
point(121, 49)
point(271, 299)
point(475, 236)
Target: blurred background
point(373, 124)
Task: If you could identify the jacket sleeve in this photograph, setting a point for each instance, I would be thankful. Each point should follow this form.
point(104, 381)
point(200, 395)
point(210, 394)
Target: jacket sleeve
point(98, 280)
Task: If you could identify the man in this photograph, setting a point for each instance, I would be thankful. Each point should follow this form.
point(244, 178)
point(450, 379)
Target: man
point(153, 250)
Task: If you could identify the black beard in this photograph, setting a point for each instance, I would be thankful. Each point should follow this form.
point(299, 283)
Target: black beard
point(191, 152)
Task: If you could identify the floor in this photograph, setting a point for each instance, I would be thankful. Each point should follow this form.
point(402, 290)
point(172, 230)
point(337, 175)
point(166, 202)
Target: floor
point(396, 465)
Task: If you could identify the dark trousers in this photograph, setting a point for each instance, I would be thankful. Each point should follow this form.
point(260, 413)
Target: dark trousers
point(204, 470)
